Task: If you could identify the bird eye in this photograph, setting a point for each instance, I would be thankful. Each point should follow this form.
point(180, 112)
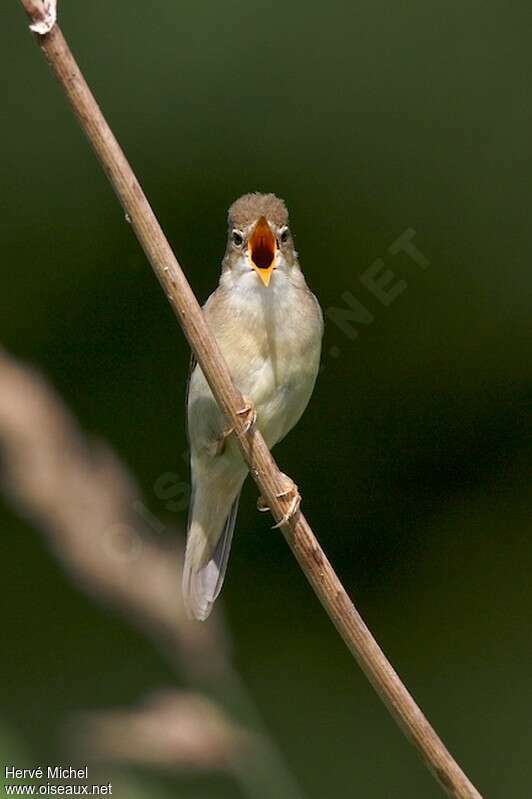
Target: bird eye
point(284, 235)
point(237, 238)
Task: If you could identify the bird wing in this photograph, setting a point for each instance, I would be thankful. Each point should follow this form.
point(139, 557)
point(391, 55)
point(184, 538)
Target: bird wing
point(192, 365)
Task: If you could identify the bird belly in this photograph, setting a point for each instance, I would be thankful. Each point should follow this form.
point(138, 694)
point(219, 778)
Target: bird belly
point(273, 356)
point(280, 388)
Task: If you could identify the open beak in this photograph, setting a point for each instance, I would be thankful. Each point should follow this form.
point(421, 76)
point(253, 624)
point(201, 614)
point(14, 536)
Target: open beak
point(262, 250)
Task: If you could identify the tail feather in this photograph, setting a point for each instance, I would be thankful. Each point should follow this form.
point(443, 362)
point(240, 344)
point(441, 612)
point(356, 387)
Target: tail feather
point(205, 566)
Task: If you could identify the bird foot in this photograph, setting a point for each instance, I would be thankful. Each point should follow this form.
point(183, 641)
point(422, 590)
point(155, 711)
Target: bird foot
point(250, 414)
point(291, 492)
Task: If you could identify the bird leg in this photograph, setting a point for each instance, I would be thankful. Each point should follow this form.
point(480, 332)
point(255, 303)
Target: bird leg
point(291, 492)
point(250, 414)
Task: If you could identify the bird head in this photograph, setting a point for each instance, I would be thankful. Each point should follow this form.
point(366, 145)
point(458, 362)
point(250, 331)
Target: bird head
point(259, 240)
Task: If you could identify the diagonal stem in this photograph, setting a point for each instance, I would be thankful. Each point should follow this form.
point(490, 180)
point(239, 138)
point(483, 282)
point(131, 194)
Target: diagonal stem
point(262, 466)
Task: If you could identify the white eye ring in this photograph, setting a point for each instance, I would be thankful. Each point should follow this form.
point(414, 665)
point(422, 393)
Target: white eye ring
point(237, 238)
point(283, 237)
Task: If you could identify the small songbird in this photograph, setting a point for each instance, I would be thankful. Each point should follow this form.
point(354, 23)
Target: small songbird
point(269, 327)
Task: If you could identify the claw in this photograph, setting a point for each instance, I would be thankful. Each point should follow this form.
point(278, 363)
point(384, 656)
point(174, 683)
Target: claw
point(290, 491)
point(292, 510)
point(262, 505)
point(249, 411)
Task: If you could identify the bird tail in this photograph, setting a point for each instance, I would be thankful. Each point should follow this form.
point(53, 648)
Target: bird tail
point(207, 550)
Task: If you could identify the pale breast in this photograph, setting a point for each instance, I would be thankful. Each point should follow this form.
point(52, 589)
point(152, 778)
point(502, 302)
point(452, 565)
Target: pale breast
point(272, 342)
point(273, 355)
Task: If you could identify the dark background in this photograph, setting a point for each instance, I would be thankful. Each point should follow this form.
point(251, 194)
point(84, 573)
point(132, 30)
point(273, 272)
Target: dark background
point(414, 455)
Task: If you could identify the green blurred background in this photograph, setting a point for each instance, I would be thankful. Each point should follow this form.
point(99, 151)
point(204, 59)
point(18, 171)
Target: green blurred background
point(414, 456)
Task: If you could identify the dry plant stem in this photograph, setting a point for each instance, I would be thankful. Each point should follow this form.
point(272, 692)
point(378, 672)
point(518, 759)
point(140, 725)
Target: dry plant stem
point(263, 468)
point(169, 729)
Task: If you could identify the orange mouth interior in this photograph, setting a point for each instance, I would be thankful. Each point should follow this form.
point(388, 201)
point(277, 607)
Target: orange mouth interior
point(262, 245)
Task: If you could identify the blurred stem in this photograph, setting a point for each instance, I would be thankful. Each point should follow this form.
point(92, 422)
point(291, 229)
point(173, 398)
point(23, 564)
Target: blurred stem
point(263, 468)
point(79, 495)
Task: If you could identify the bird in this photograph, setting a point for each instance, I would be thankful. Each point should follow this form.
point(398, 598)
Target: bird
point(269, 328)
